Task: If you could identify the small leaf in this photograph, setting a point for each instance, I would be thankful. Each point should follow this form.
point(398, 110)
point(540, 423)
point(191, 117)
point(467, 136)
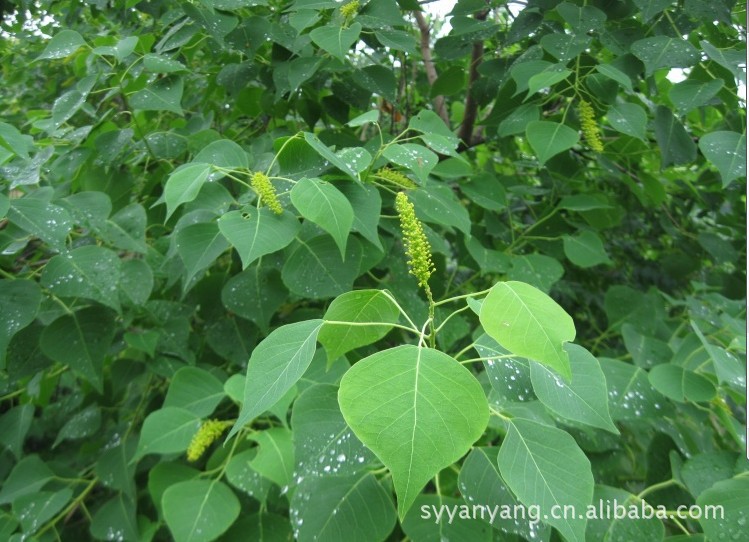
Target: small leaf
point(316, 270)
point(585, 249)
point(199, 510)
point(336, 39)
point(398, 399)
point(674, 141)
point(732, 497)
point(615, 75)
point(364, 118)
point(325, 152)
point(565, 46)
point(681, 384)
point(688, 95)
point(664, 52)
point(255, 294)
point(183, 185)
point(20, 300)
point(161, 95)
point(358, 307)
point(528, 323)
point(275, 366)
point(546, 79)
point(50, 223)
point(257, 232)
point(352, 508)
point(323, 204)
point(544, 467)
point(417, 158)
point(198, 245)
point(64, 43)
point(275, 455)
point(727, 151)
point(196, 390)
point(14, 425)
point(168, 430)
point(629, 119)
point(550, 138)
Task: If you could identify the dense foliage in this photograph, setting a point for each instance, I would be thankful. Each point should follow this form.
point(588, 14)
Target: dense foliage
point(294, 268)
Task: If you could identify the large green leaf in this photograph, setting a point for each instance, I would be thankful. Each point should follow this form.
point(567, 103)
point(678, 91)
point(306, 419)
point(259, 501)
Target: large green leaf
point(323, 204)
point(275, 455)
point(629, 119)
point(584, 398)
point(336, 39)
point(438, 204)
point(275, 366)
point(316, 270)
point(429, 519)
point(677, 146)
point(14, 425)
point(733, 496)
point(183, 185)
point(20, 300)
point(81, 340)
point(64, 43)
point(90, 272)
point(331, 158)
point(161, 95)
point(544, 466)
point(323, 444)
point(168, 430)
point(664, 52)
point(417, 158)
point(528, 323)
point(257, 232)
point(360, 307)
point(681, 384)
point(398, 399)
point(254, 294)
point(199, 510)
point(367, 203)
point(341, 509)
point(198, 245)
point(727, 151)
point(50, 223)
point(196, 390)
point(550, 138)
point(690, 94)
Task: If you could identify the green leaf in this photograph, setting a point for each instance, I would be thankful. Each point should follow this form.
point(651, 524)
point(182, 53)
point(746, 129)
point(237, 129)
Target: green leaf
point(434, 131)
point(84, 424)
point(364, 118)
point(13, 140)
point(397, 399)
point(417, 158)
point(161, 95)
point(257, 232)
point(342, 508)
point(664, 52)
point(336, 39)
point(255, 294)
point(324, 151)
point(537, 270)
point(585, 249)
point(20, 300)
point(316, 270)
point(223, 153)
point(733, 496)
point(90, 272)
point(546, 79)
point(50, 223)
point(323, 444)
point(550, 138)
point(680, 384)
point(64, 43)
point(565, 47)
point(28, 476)
point(162, 64)
point(36, 509)
point(438, 204)
point(323, 204)
point(196, 390)
point(615, 75)
point(116, 518)
point(528, 323)
point(198, 246)
point(516, 122)
point(428, 521)
point(450, 81)
point(623, 527)
point(651, 8)
point(275, 366)
point(675, 143)
point(397, 39)
point(731, 59)
point(241, 475)
point(544, 466)
point(81, 340)
point(358, 307)
point(275, 455)
point(366, 202)
point(378, 79)
point(168, 430)
point(688, 95)
point(631, 397)
point(14, 425)
point(199, 510)
point(727, 151)
point(582, 19)
point(136, 281)
point(700, 472)
point(183, 185)
point(629, 119)
point(584, 398)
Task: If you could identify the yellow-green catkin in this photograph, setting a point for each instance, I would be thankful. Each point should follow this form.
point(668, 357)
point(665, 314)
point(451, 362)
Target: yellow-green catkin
point(209, 432)
point(396, 178)
point(589, 126)
point(266, 191)
point(350, 10)
point(415, 241)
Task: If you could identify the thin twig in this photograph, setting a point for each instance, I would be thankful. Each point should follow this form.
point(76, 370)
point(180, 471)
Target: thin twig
point(431, 71)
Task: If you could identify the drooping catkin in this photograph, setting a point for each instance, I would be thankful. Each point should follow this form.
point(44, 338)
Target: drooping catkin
point(415, 241)
point(589, 126)
point(350, 10)
point(209, 432)
point(261, 184)
point(395, 178)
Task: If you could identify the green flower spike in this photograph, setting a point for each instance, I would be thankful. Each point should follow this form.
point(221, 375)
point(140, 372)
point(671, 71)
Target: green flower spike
point(417, 247)
point(350, 10)
point(396, 178)
point(266, 191)
point(589, 126)
point(209, 431)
